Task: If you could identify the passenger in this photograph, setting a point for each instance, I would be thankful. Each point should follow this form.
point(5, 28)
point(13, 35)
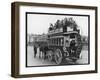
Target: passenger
point(73, 48)
point(75, 28)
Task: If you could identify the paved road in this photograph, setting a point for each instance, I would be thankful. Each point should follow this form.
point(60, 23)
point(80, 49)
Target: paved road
point(31, 61)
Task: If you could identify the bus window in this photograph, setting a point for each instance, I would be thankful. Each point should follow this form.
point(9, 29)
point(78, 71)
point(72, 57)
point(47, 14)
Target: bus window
point(62, 42)
point(58, 41)
point(52, 41)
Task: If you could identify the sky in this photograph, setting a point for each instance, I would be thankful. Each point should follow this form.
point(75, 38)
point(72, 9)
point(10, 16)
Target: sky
point(39, 23)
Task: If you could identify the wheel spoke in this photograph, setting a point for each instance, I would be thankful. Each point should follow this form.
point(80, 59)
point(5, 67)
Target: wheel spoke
point(50, 55)
point(58, 56)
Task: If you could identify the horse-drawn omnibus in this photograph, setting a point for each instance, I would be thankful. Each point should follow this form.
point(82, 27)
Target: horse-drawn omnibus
point(63, 42)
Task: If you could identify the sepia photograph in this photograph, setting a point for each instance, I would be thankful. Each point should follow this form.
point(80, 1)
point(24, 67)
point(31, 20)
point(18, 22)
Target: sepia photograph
point(57, 39)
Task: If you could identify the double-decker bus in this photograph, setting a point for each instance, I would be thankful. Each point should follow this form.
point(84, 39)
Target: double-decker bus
point(63, 42)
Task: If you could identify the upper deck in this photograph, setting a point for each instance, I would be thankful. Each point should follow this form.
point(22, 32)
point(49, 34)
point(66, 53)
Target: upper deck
point(62, 32)
point(63, 27)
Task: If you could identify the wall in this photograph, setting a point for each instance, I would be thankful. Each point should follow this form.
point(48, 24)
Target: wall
point(5, 40)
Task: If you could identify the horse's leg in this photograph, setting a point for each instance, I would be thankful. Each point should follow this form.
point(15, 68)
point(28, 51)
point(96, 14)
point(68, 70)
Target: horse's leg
point(39, 54)
point(42, 54)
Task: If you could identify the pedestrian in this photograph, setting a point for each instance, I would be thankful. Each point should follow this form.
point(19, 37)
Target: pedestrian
point(40, 50)
point(35, 51)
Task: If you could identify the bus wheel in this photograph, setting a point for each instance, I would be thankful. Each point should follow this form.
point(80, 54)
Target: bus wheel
point(49, 55)
point(58, 56)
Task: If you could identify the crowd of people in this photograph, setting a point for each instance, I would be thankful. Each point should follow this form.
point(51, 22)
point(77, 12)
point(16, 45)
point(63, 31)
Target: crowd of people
point(41, 51)
point(63, 23)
